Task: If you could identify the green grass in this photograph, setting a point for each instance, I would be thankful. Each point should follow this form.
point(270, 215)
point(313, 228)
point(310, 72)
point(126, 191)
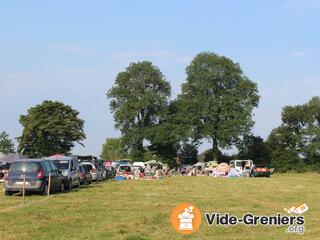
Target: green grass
point(140, 210)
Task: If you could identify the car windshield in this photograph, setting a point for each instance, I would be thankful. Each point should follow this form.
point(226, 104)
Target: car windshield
point(239, 164)
point(125, 168)
point(61, 164)
point(86, 167)
point(25, 167)
point(81, 169)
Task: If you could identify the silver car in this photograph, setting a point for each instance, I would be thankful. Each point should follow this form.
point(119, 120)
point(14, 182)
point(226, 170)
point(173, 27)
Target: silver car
point(94, 170)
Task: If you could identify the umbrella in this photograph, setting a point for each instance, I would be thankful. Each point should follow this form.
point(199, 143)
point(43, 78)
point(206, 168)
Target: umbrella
point(212, 164)
point(223, 167)
point(12, 157)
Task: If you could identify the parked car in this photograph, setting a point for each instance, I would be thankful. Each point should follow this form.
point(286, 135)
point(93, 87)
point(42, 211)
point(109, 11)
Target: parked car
point(138, 165)
point(115, 165)
point(111, 172)
point(4, 168)
point(103, 170)
point(125, 168)
point(123, 161)
point(69, 168)
point(242, 166)
point(261, 168)
point(35, 172)
point(107, 163)
point(93, 169)
point(85, 175)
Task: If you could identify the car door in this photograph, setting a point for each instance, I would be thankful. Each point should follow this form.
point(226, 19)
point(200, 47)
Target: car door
point(53, 181)
point(58, 177)
point(74, 172)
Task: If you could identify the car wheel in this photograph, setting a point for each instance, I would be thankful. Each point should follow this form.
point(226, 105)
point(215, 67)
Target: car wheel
point(45, 189)
point(70, 185)
point(62, 187)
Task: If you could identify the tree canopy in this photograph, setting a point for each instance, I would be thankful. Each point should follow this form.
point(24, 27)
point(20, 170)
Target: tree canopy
point(298, 137)
point(6, 144)
point(50, 128)
point(217, 101)
point(253, 147)
point(188, 153)
point(112, 149)
point(138, 98)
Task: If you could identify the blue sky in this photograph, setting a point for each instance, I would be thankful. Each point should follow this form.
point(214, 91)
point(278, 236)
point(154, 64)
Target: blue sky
point(71, 51)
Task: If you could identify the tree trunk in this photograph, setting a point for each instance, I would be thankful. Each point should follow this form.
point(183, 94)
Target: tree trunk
point(138, 151)
point(215, 151)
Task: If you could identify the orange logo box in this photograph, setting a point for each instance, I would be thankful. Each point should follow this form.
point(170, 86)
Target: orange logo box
point(185, 218)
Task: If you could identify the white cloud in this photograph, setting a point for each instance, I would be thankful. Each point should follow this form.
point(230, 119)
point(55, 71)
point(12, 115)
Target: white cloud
point(298, 54)
point(72, 49)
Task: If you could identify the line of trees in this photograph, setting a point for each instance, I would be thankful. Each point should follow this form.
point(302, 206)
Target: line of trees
point(215, 105)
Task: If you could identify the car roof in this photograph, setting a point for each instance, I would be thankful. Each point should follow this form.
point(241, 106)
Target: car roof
point(87, 163)
point(60, 158)
point(30, 160)
point(125, 165)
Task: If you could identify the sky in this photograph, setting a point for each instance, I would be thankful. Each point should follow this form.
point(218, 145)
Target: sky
point(71, 51)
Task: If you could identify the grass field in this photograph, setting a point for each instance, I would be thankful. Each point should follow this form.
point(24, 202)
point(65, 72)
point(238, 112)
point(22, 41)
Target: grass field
point(138, 210)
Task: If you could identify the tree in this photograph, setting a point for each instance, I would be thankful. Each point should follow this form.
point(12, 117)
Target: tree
point(167, 136)
point(6, 144)
point(253, 147)
point(298, 135)
point(188, 153)
point(217, 101)
point(50, 128)
point(112, 149)
point(137, 99)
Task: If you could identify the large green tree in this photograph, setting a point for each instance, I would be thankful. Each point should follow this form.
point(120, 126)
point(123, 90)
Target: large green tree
point(298, 135)
point(6, 144)
point(50, 128)
point(140, 94)
point(217, 101)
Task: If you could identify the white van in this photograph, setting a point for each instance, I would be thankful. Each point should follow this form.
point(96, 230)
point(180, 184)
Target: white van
point(242, 165)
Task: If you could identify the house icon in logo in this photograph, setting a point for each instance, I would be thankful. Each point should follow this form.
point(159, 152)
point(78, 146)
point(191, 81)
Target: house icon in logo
point(186, 219)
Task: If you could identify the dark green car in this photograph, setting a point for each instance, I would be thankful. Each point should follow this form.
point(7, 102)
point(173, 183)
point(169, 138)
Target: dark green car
point(262, 168)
